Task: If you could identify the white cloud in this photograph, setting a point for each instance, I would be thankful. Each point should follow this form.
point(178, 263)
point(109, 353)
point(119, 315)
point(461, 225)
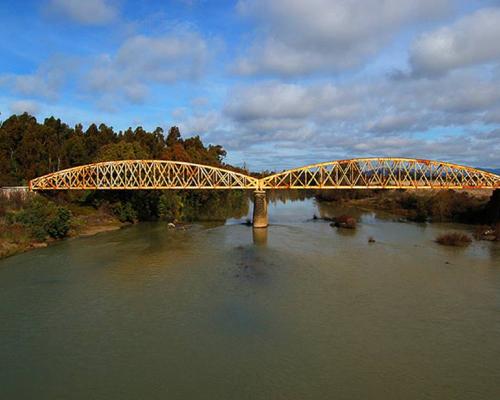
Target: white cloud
point(472, 40)
point(271, 100)
point(395, 123)
point(200, 123)
point(45, 82)
point(87, 12)
point(22, 106)
point(383, 107)
point(296, 37)
point(142, 61)
point(321, 120)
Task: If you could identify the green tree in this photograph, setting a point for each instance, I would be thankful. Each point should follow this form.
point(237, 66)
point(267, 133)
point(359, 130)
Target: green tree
point(74, 149)
point(122, 151)
point(55, 134)
point(12, 132)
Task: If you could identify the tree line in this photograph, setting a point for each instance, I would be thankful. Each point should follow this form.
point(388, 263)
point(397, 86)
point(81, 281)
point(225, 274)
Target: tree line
point(29, 148)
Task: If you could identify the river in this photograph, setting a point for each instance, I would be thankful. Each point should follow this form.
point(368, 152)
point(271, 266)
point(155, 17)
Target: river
point(300, 311)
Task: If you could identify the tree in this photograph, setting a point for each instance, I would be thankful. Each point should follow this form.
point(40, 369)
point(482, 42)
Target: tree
point(74, 149)
point(174, 136)
point(176, 152)
point(122, 151)
point(56, 133)
point(12, 132)
point(97, 138)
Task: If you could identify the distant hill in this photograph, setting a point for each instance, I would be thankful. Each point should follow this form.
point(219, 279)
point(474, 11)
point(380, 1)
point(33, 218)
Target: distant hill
point(494, 170)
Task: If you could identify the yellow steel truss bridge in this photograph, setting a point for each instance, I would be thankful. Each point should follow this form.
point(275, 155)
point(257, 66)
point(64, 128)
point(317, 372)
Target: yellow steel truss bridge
point(359, 173)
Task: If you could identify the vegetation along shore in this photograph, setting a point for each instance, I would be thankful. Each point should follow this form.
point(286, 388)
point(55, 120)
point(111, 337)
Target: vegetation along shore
point(478, 207)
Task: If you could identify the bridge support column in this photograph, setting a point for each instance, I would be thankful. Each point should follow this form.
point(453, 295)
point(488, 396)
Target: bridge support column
point(260, 209)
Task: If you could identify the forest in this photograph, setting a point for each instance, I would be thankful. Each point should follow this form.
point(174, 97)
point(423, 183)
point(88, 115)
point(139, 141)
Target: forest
point(29, 149)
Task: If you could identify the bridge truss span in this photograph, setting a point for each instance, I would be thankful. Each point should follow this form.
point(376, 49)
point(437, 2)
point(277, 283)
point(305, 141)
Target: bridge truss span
point(358, 173)
point(382, 173)
point(143, 174)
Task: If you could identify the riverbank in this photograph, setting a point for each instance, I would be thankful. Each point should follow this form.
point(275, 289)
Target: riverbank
point(17, 238)
point(30, 221)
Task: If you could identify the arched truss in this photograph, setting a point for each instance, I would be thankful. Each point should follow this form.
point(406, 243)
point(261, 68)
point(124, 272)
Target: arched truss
point(382, 173)
point(143, 174)
point(360, 173)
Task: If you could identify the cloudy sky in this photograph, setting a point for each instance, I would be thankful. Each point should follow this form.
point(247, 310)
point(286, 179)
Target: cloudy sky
point(278, 83)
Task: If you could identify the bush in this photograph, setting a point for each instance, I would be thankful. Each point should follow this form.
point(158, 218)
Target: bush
point(454, 239)
point(59, 225)
point(145, 204)
point(170, 206)
point(44, 218)
point(345, 221)
point(408, 201)
point(125, 212)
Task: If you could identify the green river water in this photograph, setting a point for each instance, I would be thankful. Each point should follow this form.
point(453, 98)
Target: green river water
point(300, 311)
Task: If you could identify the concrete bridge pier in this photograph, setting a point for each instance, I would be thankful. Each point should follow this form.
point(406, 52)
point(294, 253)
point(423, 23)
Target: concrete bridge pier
point(260, 209)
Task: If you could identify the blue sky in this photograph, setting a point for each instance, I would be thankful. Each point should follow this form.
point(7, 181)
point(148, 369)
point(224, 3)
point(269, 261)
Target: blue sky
point(278, 83)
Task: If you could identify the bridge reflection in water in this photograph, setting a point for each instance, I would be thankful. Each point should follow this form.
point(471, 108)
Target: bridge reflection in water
point(359, 173)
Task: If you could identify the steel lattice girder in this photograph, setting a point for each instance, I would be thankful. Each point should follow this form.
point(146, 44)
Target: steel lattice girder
point(382, 173)
point(360, 173)
point(144, 174)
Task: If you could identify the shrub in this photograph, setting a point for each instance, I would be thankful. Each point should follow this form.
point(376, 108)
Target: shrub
point(125, 212)
point(44, 218)
point(59, 225)
point(170, 207)
point(408, 201)
point(345, 221)
point(454, 239)
point(145, 204)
